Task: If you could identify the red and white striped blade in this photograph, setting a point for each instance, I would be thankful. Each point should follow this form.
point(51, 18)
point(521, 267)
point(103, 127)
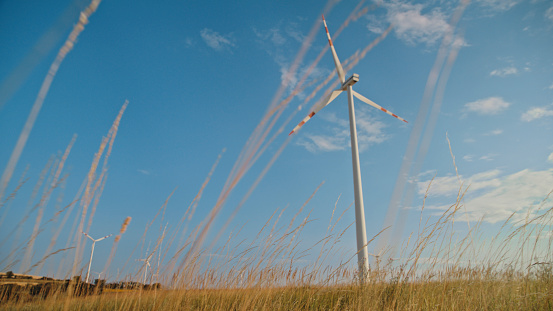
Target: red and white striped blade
point(107, 236)
point(317, 108)
point(337, 63)
point(88, 236)
point(370, 102)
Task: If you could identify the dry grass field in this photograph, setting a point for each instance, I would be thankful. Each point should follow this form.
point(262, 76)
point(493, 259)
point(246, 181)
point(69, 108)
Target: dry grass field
point(502, 279)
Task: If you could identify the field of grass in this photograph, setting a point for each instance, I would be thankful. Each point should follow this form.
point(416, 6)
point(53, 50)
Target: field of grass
point(500, 280)
point(478, 294)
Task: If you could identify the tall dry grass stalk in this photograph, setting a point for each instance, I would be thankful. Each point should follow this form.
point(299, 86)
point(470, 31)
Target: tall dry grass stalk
point(123, 229)
point(93, 184)
point(6, 204)
point(67, 46)
point(54, 183)
point(416, 150)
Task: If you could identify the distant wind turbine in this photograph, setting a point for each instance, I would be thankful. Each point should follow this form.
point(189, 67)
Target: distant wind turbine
point(362, 251)
point(147, 261)
point(92, 252)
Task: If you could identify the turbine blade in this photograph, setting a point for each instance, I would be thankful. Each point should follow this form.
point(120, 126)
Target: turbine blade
point(107, 236)
point(88, 236)
point(337, 63)
point(317, 108)
point(370, 102)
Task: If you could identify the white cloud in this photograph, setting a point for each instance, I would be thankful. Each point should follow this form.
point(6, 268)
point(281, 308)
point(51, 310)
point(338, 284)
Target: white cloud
point(504, 72)
point(273, 35)
point(441, 186)
point(492, 196)
point(550, 87)
point(217, 41)
point(549, 14)
point(277, 43)
point(499, 5)
point(487, 106)
point(411, 24)
point(369, 132)
point(145, 172)
point(535, 113)
point(292, 30)
point(287, 78)
point(469, 140)
point(471, 157)
point(450, 185)
point(550, 157)
point(322, 143)
point(487, 157)
point(494, 133)
point(189, 42)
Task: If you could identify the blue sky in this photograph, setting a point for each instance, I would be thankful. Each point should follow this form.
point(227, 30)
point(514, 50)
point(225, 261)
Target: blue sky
point(200, 76)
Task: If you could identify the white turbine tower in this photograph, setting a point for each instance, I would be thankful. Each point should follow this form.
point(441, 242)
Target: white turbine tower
point(147, 261)
point(362, 251)
point(92, 252)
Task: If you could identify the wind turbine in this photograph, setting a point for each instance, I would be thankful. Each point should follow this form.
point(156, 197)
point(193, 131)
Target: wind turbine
point(99, 274)
point(92, 252)
point(147, 261)
point(362, 251)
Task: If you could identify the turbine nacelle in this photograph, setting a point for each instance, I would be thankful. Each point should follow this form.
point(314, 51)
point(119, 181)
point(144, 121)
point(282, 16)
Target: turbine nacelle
point(350, 81)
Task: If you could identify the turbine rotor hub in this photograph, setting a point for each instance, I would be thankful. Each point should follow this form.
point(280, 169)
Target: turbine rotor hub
point(350, 81)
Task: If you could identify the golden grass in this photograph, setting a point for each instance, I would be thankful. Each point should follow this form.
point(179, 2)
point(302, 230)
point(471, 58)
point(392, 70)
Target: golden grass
point(517, 294)
point(264, 276)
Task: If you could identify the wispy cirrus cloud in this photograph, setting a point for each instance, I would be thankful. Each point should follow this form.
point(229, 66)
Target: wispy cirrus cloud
point(492, 196)
point(503, 72)
point(277, 42)
point(549, 13)
point(217, 41)
point(535, 113)
point(498, 5)
point(494, 133)
point(370, 131)
point(413, 23)
point(449, 185)
point(488, 157)
point(487, 106)
point(273, 35)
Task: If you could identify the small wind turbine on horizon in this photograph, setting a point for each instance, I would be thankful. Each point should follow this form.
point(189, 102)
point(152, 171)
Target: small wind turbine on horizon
point(99, 274)
point(361, 233)
point(92, 252)
point(147, 261)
